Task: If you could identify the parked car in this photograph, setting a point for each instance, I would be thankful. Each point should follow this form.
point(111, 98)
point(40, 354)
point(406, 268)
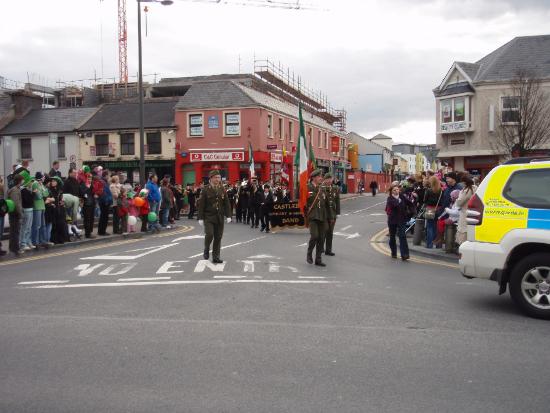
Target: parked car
point(509, 233)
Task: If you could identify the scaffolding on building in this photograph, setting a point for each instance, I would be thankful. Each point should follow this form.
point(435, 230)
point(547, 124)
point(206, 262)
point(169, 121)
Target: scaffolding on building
point(289, 86)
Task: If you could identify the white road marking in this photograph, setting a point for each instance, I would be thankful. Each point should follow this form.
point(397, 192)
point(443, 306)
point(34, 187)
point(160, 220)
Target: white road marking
point(276, 267)
point(302, 245)
point(165, 268)
point(346, 228)
point(310, 278)
point(236, 277)
point(184, 282)
point(348, 236)
point(87, 269)
point(377, 214)
point(43, 282)
point(189, 237)
point(144, 279)
point(232, 245)
point(203, 264)
point(369, 207)
point(148, 250)
point(248, 265)
point(118, 269)
point(262, 256)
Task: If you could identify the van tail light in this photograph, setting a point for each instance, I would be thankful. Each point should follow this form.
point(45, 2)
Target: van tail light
point(475, 211)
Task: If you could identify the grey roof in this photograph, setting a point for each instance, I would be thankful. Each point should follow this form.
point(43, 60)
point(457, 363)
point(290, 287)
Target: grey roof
point(222, 94)
point(456, 88)
point(48, 121)
point(181, 81)
point(113, 116)
point(470, 69)
point(530, 53)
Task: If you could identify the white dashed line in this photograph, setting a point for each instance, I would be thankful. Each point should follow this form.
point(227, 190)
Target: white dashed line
point(43, 282)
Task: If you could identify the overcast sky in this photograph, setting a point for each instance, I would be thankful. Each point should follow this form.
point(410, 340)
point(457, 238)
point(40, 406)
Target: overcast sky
point(378, 59)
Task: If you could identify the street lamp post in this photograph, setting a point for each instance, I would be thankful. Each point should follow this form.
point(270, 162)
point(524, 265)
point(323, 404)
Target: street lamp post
point(142, 177)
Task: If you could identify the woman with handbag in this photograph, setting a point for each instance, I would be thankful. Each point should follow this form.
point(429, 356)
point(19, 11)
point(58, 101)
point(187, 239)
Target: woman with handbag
point(462, 203)
point(432, 200)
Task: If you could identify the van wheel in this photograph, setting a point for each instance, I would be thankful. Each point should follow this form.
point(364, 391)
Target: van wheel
point(530, 285)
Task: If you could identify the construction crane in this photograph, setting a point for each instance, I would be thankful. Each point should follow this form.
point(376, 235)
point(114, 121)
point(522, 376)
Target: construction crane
point(122, 42)
point(123, 26)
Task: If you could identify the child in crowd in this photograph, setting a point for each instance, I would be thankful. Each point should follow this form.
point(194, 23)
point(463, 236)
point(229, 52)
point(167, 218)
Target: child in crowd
point(133, 211)
point(122, 211)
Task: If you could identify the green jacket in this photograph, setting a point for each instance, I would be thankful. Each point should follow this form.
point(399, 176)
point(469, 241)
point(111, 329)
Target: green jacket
point(316, 206)
point(213, 204)
point(333, 202)
point(40, 193)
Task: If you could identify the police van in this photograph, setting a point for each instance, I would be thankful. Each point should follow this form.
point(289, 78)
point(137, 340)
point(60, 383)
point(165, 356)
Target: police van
point(509, 233)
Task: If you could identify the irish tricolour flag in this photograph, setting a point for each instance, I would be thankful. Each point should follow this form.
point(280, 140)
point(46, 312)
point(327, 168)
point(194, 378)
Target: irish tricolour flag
point(301, 163)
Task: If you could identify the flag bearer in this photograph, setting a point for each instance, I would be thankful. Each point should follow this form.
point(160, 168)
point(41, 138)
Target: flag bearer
point(333, 210)
point(214, 210)
point(316, 216)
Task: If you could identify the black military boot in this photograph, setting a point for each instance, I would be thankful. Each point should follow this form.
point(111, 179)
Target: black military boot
point(217, 261)
point(309, 259)
point(320, 263)
point(330, 253)
point(206, 254)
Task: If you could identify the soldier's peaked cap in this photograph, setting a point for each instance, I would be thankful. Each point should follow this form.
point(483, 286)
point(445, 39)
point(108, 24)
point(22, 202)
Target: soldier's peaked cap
point(214, 173)
point(316, 172)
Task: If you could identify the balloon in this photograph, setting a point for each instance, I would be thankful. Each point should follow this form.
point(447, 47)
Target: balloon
point(152, 217)
point(139, 202)
point(86, 169)
point(143, 193)
point(11, 205)
point(132, 220)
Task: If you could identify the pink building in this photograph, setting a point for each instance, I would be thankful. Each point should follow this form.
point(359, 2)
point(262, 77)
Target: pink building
point(217, 120)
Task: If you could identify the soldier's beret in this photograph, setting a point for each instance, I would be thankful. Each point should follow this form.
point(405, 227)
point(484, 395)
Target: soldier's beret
point(328, 175)
point(316, 172)
point(214, 173)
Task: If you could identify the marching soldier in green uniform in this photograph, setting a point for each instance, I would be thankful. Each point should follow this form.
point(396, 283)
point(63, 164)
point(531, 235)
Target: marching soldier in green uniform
point(213, 211)
point(316, 215)
point(333, 210)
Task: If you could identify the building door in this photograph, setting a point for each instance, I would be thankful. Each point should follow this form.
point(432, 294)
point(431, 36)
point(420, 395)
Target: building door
point(189, 177)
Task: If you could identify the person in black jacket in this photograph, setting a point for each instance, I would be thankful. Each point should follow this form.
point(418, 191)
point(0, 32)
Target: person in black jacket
point(257, 202)
point(396, 208)
point(71, 185)
point(88, 206)
point(266, 207)
point(243, 202)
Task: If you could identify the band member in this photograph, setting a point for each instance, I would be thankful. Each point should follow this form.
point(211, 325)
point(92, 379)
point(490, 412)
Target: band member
point(316, 215)
point(214, 210)
point(333, 210)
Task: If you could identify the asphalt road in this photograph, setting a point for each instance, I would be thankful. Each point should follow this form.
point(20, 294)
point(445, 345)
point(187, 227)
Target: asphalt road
point(147, 326)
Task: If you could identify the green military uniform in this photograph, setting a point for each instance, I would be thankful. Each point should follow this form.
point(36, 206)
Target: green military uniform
point(213, 209)
point(316, 211)
point(333, 210)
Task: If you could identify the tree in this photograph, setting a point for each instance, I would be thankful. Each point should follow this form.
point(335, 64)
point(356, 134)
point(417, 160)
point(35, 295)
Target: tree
point(524, 118)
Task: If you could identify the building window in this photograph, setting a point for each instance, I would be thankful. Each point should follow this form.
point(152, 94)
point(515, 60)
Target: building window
point(326, 140)
point(446, 111)
point(510, 109)
point(61, 147)
point(319, 139)
point(25, 147)
point(127, 144)
point(281, 131)
point(154, 146)
point(196, 125)
point(459, 110)
point(102, 145)
point(270, 126)
point(232, 124)
point(290, 130)
point(309, 136)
